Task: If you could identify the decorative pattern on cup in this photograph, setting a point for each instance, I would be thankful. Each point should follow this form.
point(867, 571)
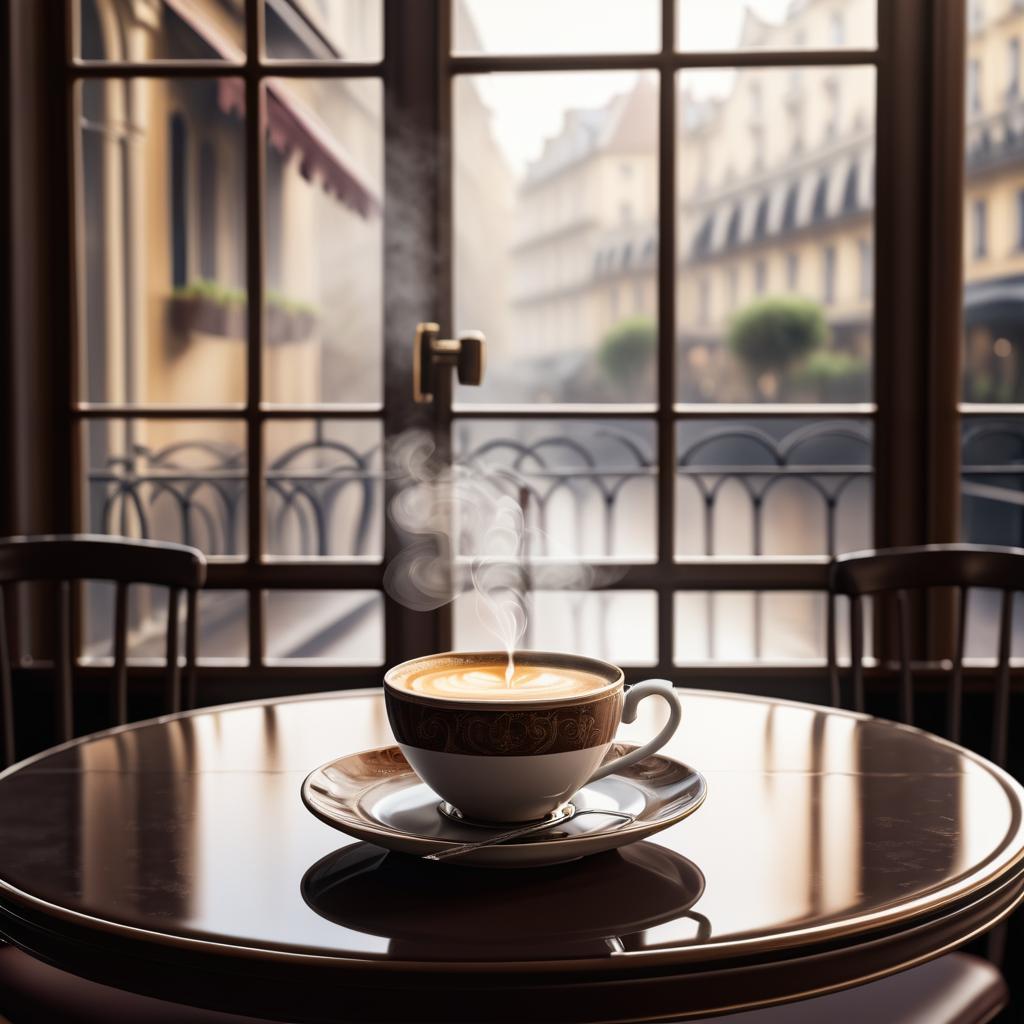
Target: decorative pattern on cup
point(505, 732)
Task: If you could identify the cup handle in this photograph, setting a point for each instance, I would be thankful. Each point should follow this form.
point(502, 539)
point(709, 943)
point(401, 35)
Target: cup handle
point(648, 688)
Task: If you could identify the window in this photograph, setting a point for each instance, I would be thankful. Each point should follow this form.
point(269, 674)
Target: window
point(761, 221)
point(819, 208)
point(789, 210)
point(837, 28)
point(179, 202)
point(828, 271)
point(990, 429)
point(732, 236)
point(866, 254)
point(792, 271)
point(976, 14)
point(208, 209)
point(302, 327)
point(832, 99)
point(757, 147)
point(704, 301)
point(851, 196)
point(979, 229)
point(974, 86)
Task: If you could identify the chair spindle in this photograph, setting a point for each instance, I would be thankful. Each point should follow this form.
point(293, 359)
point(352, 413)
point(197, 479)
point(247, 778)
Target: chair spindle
point(6, 688)
point(191, 612)
point(906, 677)
point(830, 650)
point(1001, 711)
point(173, 668)
point(65, 724)
point(857, 651)
point(956, 686)
point(121, 654)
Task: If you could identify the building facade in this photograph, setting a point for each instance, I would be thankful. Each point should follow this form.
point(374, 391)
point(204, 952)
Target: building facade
point(994, 204)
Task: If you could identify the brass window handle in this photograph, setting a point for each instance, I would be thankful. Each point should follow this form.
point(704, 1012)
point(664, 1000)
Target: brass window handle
point(467, 354)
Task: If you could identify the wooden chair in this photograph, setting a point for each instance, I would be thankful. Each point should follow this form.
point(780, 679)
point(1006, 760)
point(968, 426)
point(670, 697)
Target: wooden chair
point(903, 571)
point(957, 988)
point(65, 559)
point(30, 990)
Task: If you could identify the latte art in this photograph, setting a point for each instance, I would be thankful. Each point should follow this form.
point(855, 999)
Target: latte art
point(487, 682)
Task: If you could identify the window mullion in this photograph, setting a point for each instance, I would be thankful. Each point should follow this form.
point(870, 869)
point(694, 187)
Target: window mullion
point(666, 336)
point(255, 257)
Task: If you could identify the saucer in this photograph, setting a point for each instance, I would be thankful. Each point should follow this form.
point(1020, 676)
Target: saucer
point(377, 797)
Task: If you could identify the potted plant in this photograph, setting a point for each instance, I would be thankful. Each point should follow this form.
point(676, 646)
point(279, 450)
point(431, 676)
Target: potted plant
point(288, 319)
point(205, 307)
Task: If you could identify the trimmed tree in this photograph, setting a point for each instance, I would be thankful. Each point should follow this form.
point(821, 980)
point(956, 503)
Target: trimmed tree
point(772, 334)
point(628, 351)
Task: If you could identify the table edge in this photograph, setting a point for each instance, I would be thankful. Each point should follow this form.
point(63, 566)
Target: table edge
point(854, 930)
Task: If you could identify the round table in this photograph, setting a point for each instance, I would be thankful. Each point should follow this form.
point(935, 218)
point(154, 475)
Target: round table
point(175, 858)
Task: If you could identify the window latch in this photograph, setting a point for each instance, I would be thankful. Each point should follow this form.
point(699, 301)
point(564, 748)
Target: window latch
point(467, 354)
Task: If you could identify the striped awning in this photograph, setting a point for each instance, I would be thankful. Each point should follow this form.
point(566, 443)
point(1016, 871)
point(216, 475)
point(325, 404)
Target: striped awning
point(291, 125)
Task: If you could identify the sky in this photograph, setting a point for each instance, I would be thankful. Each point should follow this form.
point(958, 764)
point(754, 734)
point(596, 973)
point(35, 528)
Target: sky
point(527, 108)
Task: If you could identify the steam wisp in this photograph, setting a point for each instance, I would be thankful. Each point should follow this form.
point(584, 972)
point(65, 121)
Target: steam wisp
point(464, 527)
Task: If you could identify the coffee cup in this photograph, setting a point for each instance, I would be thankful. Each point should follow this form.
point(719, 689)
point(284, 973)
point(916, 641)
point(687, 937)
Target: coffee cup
point(515, 749)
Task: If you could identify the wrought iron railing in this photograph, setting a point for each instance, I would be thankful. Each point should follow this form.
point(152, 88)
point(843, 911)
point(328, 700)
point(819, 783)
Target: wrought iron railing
point(324, 496)
point(992, 481)
point(161, 492)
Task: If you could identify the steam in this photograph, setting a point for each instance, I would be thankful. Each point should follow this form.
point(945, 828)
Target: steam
point(464, 528)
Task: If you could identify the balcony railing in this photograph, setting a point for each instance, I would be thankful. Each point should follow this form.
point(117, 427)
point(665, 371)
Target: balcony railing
point(593, 491)
point(591, 494)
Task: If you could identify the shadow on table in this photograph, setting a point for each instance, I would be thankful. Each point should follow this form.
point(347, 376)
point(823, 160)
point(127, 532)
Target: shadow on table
point(430, 911)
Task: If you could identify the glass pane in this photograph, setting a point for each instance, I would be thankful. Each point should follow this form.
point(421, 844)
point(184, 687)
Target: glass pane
point(983, 612)
point(340, 627)
point(162, 30)
point(773, 487)
point(619, 626)
point(556, 234)
point(324, 242)
point(993, 256)
point(568, 26)
point(589, 487)
point(162, 257)
point(776, 24)
point(324, 237)
point(324, 29)
point(323, 488)
point(992, 480)
point(776, 627)
point(775, 295)
point(176, 480)
point(222, 616)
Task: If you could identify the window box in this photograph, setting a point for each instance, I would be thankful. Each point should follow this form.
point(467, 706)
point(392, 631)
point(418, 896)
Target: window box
point(200, 309)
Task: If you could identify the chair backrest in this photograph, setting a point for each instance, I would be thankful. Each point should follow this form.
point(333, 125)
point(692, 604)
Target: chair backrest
point(67, 558)
point(900, 571)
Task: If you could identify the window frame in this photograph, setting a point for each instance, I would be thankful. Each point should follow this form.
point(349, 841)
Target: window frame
point(920, 69)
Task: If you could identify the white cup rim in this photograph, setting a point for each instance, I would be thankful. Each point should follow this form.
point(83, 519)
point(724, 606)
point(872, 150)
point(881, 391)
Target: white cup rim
point(555, 659)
